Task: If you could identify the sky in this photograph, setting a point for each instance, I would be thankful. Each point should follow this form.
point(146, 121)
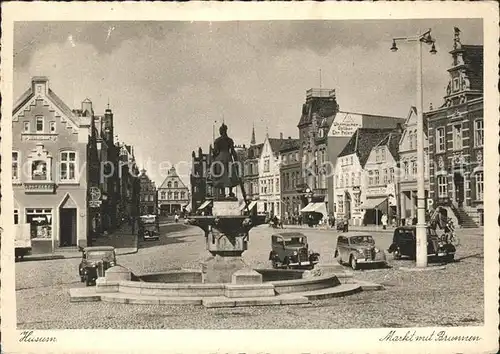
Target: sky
point(169, 82)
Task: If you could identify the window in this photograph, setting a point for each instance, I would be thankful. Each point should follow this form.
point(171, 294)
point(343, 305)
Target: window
point(39, 124)
point(163, 195)
point(176, 184)
point(414, 169)
point(176, 195)
point(26, 127)
point(41, 222)
point(169, 185)
point(442, 186)
point(359, 178)
point(277, 185)
point(385, 176)
point(169, 196)
point(377, 156)
point(39, 170)
point(68, 166)
point(16, 216)
point(391, 175)
point(341, 205)
point(457, 137)
point(353, 179)
point(377, 179)
point(440, 140)
point(52, 126)
point(351, 160)
point(479, 186)
point(346, 177)
point(479, 132)
point(410, 138)
point(370, 178)
point(266, 165)
point(183, 195)
point(15, 165)
point(341, 182)
point(357, 200)
point(456, 84)
point(406, 169)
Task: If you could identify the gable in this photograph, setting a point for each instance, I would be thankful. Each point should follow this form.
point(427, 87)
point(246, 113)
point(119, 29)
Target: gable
point(345, 124)
point(172, 177)
point(40, 99)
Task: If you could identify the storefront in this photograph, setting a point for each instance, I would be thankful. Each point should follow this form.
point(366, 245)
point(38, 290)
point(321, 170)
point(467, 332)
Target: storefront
point(41, 229)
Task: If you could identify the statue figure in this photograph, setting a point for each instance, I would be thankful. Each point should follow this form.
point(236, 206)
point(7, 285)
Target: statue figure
point(224, 169)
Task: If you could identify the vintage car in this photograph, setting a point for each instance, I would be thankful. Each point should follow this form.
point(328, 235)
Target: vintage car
point(291, 250)
point(404, 243)
point(95, 261)
point(149, 228)
point(358, 248)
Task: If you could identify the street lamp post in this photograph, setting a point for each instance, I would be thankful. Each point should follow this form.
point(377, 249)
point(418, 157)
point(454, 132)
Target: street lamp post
point(421, 251)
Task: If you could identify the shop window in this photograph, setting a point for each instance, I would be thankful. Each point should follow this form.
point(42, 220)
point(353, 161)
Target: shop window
point(41, 222)
point(479, 132)
point(457, 137)
point(440, 140)
point(39, 124)
point(479, 185)
point(442, 182)
point(39, 171)
point(15, 165)
point(68, 166)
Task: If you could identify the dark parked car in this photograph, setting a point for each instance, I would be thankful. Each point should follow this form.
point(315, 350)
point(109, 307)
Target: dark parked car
point(405, 240)
point(95, 261)
point(358, 248)
point(291, 250)
point(149, 227)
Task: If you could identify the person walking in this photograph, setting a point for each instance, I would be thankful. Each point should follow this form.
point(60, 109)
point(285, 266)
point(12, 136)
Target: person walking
point(384, 221)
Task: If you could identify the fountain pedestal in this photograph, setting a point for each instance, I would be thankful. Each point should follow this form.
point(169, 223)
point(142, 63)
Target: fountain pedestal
point(226, 235)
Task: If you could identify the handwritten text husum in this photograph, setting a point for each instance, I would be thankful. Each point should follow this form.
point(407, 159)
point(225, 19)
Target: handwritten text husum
point(28, 336)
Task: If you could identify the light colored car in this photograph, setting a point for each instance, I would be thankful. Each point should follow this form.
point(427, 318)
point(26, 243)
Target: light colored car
point(358, 248)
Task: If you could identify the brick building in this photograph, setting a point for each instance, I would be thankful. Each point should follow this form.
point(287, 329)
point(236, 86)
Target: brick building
point(456, 137)
point(148, 196)
point(290, 171)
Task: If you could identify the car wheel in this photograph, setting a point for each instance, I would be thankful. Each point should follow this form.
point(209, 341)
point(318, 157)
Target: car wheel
point(354, 263)
point(88, 282)
point(82, 279)
point(397, 254)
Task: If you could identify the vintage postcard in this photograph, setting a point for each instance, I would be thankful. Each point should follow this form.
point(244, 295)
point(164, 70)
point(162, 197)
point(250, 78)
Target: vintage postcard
point(249, 177)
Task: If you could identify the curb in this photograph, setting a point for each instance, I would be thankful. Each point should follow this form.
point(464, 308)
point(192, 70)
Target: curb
point(426, 269)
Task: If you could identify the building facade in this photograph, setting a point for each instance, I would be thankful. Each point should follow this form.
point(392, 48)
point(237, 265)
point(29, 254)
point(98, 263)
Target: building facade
point(456, 138)
point(148, 196)
point(251, 168)
point(269, 177)
point(351, 183)
point(380, 172)
point(49, 170)
point(173, 194)
point(406, 179)
point(290, 171)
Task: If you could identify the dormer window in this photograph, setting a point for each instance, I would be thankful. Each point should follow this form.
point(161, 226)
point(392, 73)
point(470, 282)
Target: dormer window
point(39, 124)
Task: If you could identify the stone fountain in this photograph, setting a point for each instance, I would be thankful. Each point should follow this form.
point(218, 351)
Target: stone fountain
point(227, 228)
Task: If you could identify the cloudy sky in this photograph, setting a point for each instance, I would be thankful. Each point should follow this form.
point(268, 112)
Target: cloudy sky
point(168, 82)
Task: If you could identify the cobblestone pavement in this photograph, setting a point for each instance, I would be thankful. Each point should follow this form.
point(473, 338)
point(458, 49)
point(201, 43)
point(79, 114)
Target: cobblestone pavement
point(453, 296)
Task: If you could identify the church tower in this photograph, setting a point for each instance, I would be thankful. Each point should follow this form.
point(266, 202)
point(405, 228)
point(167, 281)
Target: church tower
point(252, 140)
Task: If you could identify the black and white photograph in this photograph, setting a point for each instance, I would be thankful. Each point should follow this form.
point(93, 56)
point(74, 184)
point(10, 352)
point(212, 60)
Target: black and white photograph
point(250, 174)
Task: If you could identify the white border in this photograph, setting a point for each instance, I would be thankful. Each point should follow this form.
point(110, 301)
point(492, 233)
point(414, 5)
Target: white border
point(269, 341)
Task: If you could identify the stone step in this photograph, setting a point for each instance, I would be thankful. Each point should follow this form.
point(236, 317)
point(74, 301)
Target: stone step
point(255, 301)
point(87, 294)
point(138, 299)
point(337, 291)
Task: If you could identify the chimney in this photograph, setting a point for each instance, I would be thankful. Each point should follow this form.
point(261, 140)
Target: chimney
point(281, 136)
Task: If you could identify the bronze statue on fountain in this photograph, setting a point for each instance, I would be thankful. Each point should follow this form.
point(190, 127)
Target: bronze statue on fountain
point(227, 229)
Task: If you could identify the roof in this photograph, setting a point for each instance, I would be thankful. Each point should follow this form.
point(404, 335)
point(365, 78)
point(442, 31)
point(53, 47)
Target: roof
point(290, 144)
point(362, 142)
point(99, 248)
point(392, 142)
point(289, 234)
point(317, 106)
point(58, 102)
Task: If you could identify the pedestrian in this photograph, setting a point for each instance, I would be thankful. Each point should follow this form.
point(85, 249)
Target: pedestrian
point(384, 221)
point(176, 217)
point(346, 225)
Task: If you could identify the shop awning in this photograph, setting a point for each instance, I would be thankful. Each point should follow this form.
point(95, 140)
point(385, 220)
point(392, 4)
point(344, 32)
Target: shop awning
point(372, 203)
point(251, 205)
point(319, 207)
point(205, 204)
point(307, 208)
point(188, 207)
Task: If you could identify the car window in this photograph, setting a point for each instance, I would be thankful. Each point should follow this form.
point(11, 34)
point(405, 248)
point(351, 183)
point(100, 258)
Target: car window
point(294, 241)
point(98, 255)
point(355, 240)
